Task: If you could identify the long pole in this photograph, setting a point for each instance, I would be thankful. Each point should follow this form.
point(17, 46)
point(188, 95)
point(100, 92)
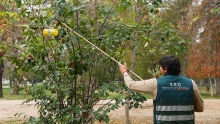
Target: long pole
point(98, 49)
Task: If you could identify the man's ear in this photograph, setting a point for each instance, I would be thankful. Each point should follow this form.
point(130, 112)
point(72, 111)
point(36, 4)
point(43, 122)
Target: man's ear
point(165, 70)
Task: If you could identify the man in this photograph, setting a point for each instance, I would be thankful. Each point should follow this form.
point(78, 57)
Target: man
point(175, 97)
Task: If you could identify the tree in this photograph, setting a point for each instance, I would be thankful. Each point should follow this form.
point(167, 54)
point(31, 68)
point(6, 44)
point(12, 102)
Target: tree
point(3, 26)
point(148, 41)
point(11, 36)
point(205, 27)
point(75, 73)
point(177, 13)
point(1, 74)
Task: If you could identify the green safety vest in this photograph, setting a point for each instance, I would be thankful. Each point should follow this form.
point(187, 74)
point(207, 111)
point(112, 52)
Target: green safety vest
point(174, 103)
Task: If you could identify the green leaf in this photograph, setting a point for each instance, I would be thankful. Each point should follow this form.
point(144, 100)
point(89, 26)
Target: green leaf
point(151, 9)
point(146, 44)
point(130, 21)
point(55, 3)
point(11, 14)
point(61, 12)
point(18, 3)
point(136, 105)
point(196, 18)
point(136, 48)
point(155, 4)
point(38, 1)
point(49, 21)
point(2, 13)
point(60, 32)
point(41, 19)
point(167, 34)
point(162, 38)
point(160, 1)
point(215, 10)
point(24, 26)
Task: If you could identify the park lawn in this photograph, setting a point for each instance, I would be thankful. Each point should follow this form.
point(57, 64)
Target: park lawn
point(7, 94)
point(207, 95)
point(5, 84)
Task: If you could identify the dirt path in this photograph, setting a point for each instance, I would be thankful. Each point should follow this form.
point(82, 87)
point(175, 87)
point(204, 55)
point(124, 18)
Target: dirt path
point(211, 114)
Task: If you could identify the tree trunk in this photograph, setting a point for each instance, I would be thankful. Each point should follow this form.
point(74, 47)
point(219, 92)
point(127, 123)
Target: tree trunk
point(207, 85)
point(127, 119)
point(15, 83)
point(1, 62)
point(10, 83)
point(96, 19)
point(210, 82)
point(184, 65)
point(1, 74)
point(133, 58)
point(214, 81)
point(218, 86)
point(15, 87)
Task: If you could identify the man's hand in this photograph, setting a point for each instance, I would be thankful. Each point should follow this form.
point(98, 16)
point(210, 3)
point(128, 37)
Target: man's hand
point(123, 68)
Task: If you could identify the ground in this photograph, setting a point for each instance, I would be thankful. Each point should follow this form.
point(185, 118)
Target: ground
point(211, 114)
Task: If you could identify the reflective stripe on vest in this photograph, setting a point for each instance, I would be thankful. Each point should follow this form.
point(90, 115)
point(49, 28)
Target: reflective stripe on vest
point(174, 117)
point(175, 108)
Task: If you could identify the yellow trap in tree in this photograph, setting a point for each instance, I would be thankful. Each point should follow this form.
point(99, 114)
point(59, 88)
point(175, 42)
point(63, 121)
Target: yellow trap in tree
point(50, 32)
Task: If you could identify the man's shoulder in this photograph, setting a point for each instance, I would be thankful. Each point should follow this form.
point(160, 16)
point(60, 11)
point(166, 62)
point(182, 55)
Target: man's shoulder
point(184, 77)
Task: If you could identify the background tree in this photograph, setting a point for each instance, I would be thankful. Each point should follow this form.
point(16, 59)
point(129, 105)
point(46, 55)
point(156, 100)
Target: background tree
point(11, 35)
point(177, 14)
point(205, 50)
point(3, 26)
point(149, 37)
